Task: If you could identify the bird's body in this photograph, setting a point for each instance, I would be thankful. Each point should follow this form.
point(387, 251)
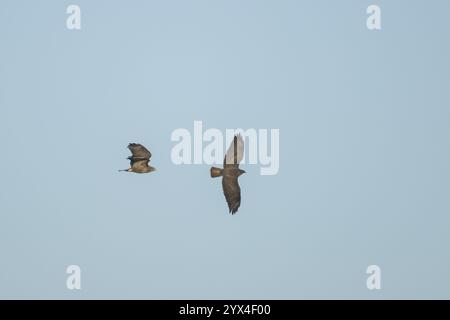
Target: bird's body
point(139, 159)
point(230, 174)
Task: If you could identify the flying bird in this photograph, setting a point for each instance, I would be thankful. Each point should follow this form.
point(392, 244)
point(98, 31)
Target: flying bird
point(230, 173)
point(139, 159)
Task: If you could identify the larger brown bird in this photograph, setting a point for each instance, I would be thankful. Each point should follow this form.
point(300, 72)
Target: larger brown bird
point(139, 159)
point(230, 173)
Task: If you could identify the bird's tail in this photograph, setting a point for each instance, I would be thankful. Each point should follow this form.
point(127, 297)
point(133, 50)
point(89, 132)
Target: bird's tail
point(126, 170)
point(216, 172)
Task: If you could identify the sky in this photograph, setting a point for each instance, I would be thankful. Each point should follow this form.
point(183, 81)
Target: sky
point(364, 172)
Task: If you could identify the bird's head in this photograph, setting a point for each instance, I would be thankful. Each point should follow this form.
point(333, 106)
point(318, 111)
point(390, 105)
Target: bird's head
point(241, 172)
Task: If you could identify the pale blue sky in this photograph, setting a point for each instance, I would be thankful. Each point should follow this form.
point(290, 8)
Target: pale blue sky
point(365, 161)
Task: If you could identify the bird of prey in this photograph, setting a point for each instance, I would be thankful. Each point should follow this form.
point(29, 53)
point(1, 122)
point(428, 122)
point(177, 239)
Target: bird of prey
point(139, 159)
point(230, 173)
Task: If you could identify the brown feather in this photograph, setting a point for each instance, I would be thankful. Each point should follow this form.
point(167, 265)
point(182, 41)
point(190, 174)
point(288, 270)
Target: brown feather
point(230, 173)
point(231, 190)
point(235, 152)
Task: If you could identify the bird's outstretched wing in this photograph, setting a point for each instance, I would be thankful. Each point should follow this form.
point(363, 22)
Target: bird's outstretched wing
point(235, 152)
point(232, 192)
point(139, 152)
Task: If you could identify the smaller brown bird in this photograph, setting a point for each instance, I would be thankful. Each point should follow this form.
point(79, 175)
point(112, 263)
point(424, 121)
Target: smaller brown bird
point(139, 159)
point(230, 173)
